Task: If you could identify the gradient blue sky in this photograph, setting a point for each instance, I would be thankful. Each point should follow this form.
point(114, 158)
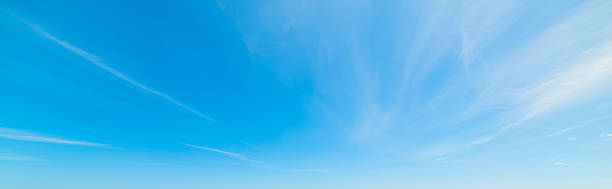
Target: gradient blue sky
point(306, 94)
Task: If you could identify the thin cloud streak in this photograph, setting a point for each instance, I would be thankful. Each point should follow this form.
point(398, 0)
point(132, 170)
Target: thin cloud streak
point(251, 165)
point(447, 161)
point(15, 157)
point(13, 134)
point(579, 126)
point(310, 170)
point(587, 72)
point(483, 140)
point(166, 165)
point(231, 154)
point(99, 63)
point(564, 130)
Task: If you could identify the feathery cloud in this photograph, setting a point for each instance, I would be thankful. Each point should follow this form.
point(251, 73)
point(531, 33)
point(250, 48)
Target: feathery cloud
point(580, 125)
point(583, 73)
point(100, 64)
point(15, 157)
point(13, 134)
point(564, 130)
point(483, 140)
point(166, 165)
point(310, 170)
point(230, 154)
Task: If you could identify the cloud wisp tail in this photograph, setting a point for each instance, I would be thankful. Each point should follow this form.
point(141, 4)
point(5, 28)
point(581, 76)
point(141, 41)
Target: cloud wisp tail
point(100, 64)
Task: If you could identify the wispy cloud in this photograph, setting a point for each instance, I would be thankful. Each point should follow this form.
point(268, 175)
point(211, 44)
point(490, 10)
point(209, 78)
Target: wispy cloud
point(13, 134)
point(571, 138)
point(310, 170)
point(250, 165)
point(15, 157)
point(100, 64)
point(230, 154)
point(166, 165)
point(579, 126)
point(483, 140)
point(479, 28)
point(446, 160)
point(559, 63)
point(564, 130)
point(599, 118)
point(559, 163)
point(541, 90)
point(581, 78)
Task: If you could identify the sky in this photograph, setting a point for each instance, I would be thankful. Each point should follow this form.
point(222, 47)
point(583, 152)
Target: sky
point(306, 94)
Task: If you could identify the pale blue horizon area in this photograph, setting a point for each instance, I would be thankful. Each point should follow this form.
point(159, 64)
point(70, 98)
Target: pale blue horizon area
point(306, 94)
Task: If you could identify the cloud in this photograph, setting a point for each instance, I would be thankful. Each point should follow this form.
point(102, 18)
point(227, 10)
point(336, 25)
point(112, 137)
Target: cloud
point(13, 134)
point(483, 140)
point(419, 89)
point(562, 88)
point(599, 118)
point(166, 165)
point(580, 125)
point(100, 64)
point(230, 154)
point(582, 71)
point(481, 23)
point(310, 170)
point(571, 139)
point(559, 163)
point(15, 157)
point(250, 165)
point(446, 160)
point(564, 130)
point(568, 85)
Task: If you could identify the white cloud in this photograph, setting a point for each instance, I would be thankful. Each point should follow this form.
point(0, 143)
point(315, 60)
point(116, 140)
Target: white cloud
point(385, 104)
point(599, 118)
point(13, 134)
point(481, 23)
point(554, 74)
point(15, 157)
point(100, 64)
point(580, 125)
point(166, 165)
point(483, 140)
point(568, 85)
point(251, 165)
point(310, 170)
point(559, 163)
point(571, 138)
point(231, 154)
point(564, 130)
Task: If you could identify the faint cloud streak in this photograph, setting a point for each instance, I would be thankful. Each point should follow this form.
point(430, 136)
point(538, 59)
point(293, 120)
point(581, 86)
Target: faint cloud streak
point(309, 170)
point(13, 134)
point(100, 64)
point(15, 157)
point(230, 154)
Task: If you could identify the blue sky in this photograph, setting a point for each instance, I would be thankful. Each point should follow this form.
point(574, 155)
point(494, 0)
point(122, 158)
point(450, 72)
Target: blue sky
point(306, 94)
